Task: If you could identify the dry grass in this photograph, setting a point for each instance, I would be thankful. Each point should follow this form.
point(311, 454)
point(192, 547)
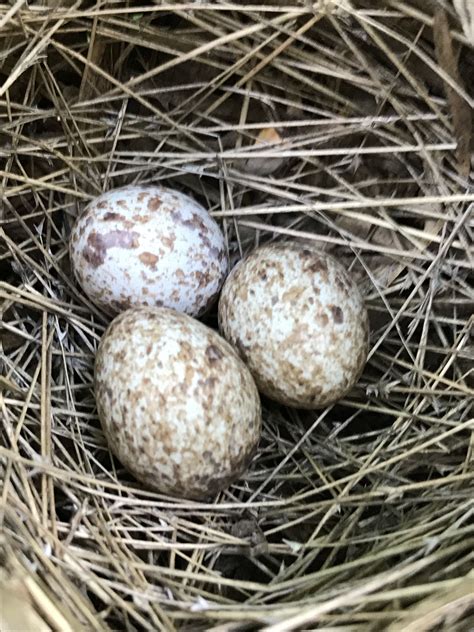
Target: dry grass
point(358, 517)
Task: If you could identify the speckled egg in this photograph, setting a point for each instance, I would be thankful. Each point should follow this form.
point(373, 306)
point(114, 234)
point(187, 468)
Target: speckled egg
point(298, 321)
point(178, 406)
point(148, 245)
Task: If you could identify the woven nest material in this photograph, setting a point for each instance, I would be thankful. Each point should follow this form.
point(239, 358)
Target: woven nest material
point(345, 122)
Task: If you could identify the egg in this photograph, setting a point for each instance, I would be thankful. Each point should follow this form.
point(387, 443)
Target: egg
point(177, 405)
point(150, 246)
point(299, 323)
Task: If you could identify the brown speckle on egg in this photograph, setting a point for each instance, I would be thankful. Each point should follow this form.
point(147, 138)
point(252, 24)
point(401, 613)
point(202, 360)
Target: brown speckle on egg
point(154, 203)
point(213, 354)
point(108, 217)
point(149, 259)
point(98, 243)
point(298, 321)
point(178, 407)
point(337, 314)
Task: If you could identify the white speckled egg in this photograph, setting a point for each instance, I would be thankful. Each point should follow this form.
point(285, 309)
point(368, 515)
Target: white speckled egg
point(178, 406)
point(298, 321)
point(148, 245)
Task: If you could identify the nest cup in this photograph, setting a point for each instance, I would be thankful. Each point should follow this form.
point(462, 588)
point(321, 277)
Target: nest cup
point(341, 123)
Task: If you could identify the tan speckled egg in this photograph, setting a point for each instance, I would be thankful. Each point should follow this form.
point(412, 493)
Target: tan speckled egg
point(178, 406)
point(298, 321)
point(148, 245)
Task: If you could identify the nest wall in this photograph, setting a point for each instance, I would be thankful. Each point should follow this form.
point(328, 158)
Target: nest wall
point(347, 123)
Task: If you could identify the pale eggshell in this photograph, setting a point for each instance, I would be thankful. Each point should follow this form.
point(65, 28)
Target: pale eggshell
point(177, 405)
point(148, 245)
point(298, 321)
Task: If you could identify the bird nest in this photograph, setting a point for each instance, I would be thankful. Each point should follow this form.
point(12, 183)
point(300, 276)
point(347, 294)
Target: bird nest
point(347, 123)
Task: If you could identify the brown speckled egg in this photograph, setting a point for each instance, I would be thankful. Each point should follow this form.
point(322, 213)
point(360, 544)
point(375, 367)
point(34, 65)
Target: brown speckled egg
point(298, 321)
point(178, 406)
point(148, 245)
